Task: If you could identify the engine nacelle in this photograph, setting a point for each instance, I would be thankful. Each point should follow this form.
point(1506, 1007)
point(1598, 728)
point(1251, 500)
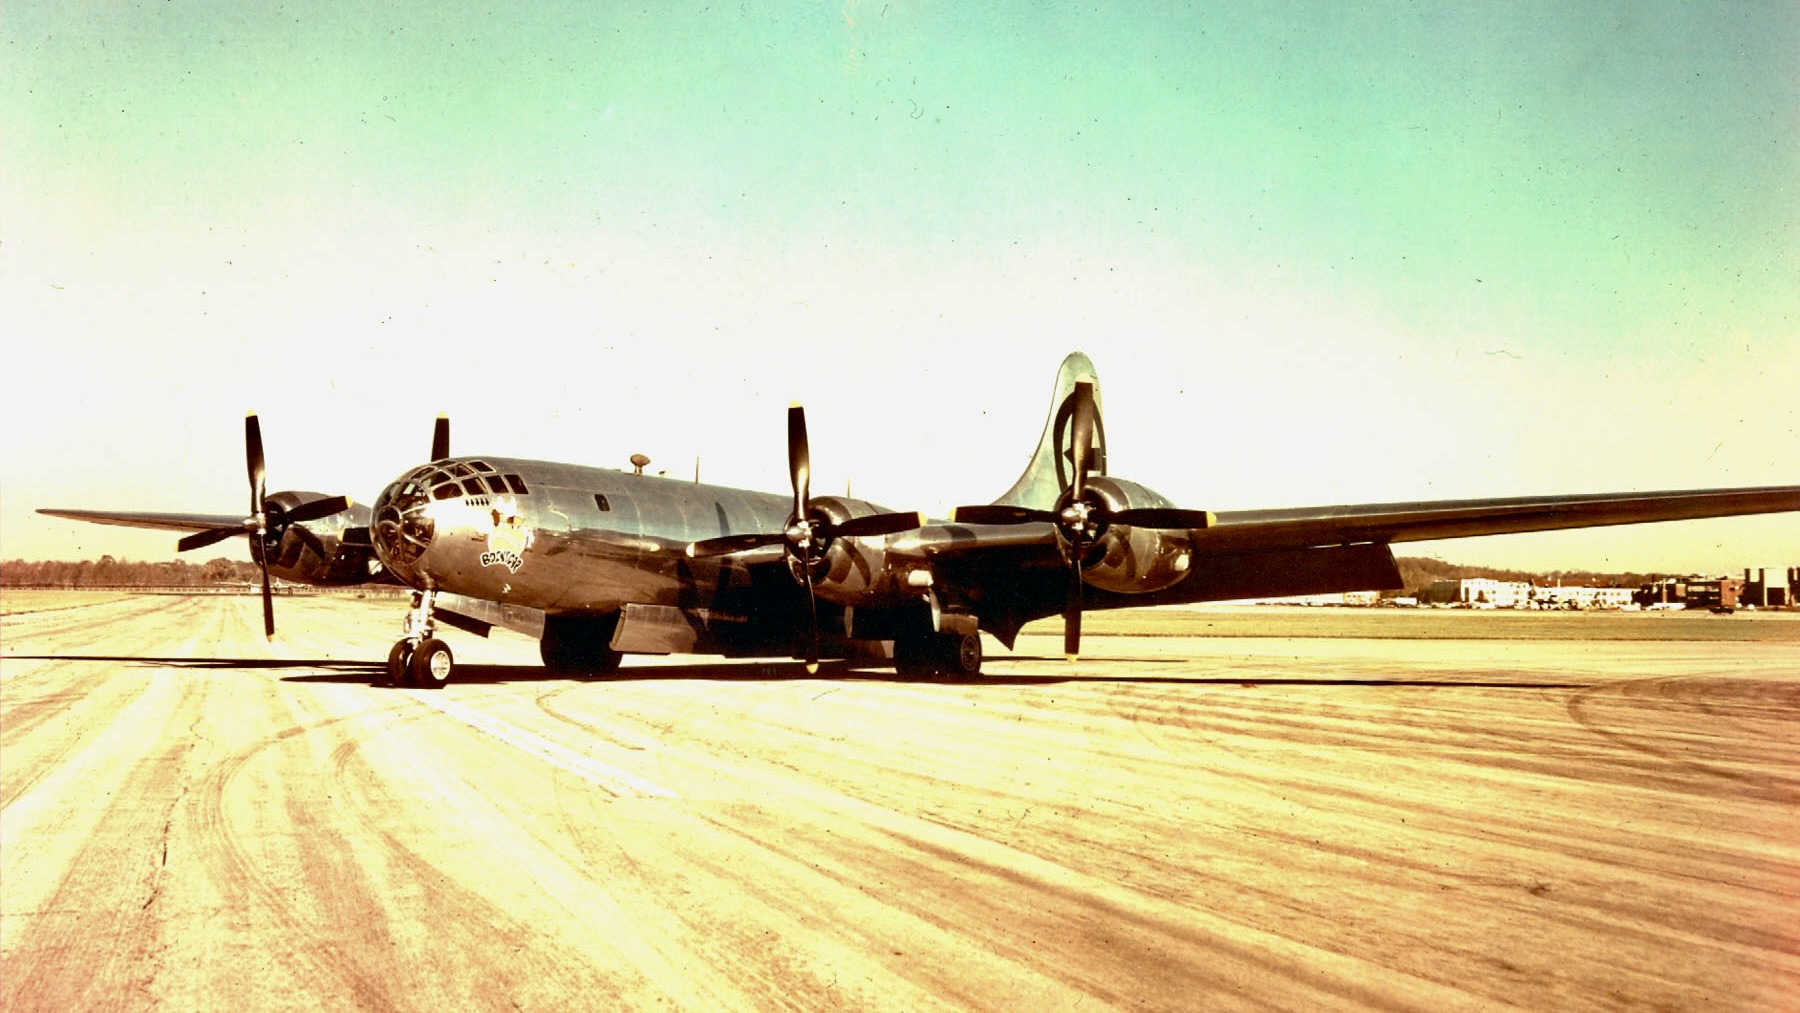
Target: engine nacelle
point(1133, 560)
point(854, 571)
point(290, 558)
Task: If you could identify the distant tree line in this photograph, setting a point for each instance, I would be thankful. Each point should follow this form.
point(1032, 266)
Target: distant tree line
point(110, 572)
point(1417, 573)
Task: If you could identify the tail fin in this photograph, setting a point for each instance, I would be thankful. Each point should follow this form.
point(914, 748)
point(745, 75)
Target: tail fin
point(1047, 475)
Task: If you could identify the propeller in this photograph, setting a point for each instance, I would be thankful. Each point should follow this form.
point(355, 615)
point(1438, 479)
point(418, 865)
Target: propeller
point(267, 516)
point(1080, 517)
point(808, 533)
point(440, 438)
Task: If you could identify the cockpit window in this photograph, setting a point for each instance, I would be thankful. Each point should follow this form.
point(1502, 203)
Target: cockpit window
point(461, 469)
point(496, 483)
point(516, 484)
point(481, 466)
point(473, 486)
point(445, 492)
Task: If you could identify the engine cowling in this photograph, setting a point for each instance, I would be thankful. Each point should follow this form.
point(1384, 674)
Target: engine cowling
point(852, 571)
point(290, 558)
point(1128, 559)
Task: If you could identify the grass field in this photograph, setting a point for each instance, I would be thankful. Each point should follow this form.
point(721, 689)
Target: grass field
point(14, 600)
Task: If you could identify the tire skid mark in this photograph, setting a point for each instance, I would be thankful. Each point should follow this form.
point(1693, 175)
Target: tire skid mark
point(604, 775)
point(247, 890)
point(75, 961)
point(467, 912)
point(1758, 786)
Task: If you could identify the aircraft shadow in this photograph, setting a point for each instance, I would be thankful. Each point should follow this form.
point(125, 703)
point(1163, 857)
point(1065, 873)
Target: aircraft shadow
point(333, 670)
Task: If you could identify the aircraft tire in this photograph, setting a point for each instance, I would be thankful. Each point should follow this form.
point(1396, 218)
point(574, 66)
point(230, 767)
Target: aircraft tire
point(959, 654)
point(913, 657)
point(432, 664)
point(399, 663)
point(568, 657)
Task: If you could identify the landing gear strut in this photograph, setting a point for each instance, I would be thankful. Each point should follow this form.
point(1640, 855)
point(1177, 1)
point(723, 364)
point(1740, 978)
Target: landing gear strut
point(419, 658)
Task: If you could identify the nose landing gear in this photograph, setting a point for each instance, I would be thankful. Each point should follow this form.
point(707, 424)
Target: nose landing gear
point(419, 658)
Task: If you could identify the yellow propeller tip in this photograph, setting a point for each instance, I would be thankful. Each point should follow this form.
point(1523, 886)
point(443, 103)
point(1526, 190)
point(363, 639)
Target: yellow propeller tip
point(812, 668)
point(1071, 658)
point(795, 404)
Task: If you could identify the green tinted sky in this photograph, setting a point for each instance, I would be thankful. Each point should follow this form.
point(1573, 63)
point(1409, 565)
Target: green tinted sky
point(1562, 239)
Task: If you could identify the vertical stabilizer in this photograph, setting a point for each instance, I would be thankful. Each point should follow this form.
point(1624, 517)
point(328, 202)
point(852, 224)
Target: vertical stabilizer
point(1048, 473)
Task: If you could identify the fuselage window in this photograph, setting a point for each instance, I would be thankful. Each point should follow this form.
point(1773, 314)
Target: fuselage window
point(600, 501)
point(516, 484)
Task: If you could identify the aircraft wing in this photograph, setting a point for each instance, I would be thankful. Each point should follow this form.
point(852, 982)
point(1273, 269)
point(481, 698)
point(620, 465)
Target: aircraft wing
point(1249, 530)
point(1012, 574)
point(138, 519)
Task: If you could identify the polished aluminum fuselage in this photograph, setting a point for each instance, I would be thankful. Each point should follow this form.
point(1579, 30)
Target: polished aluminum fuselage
point(575, 539)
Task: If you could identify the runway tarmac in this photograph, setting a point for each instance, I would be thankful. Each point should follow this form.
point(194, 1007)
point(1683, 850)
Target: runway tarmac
point(195, 819)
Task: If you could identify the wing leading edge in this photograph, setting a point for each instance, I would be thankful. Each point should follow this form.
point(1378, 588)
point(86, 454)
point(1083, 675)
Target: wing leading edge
point(138, 519)
point(1242, 530)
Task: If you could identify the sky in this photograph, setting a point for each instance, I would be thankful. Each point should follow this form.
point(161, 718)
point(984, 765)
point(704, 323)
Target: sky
point(1318, 253)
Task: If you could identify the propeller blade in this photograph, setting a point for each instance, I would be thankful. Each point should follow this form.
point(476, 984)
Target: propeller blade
point(312, 541)
point(1081, 438)
point(877, 524)
point(268, 598)
point(1164, 517)
point(812, 613)
point(1072, 607)
point(1001, 513)
point(318, 508)
point(799, 460)
point(725, 545)
point(253, 454)
point(201, 539)
point(440, 438)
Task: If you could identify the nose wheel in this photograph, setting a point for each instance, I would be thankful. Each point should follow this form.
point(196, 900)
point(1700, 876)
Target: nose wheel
point(419, 658)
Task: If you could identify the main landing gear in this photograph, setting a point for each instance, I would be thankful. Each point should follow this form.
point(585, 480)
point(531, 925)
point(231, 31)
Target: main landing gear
point(419, 658)
point(957, 655)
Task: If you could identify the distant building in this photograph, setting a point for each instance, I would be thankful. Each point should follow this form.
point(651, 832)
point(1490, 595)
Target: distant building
point(1479, 591)
point(1667, 591)
point(1717, 593)
point(1770, 587)
point(1567, 597)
